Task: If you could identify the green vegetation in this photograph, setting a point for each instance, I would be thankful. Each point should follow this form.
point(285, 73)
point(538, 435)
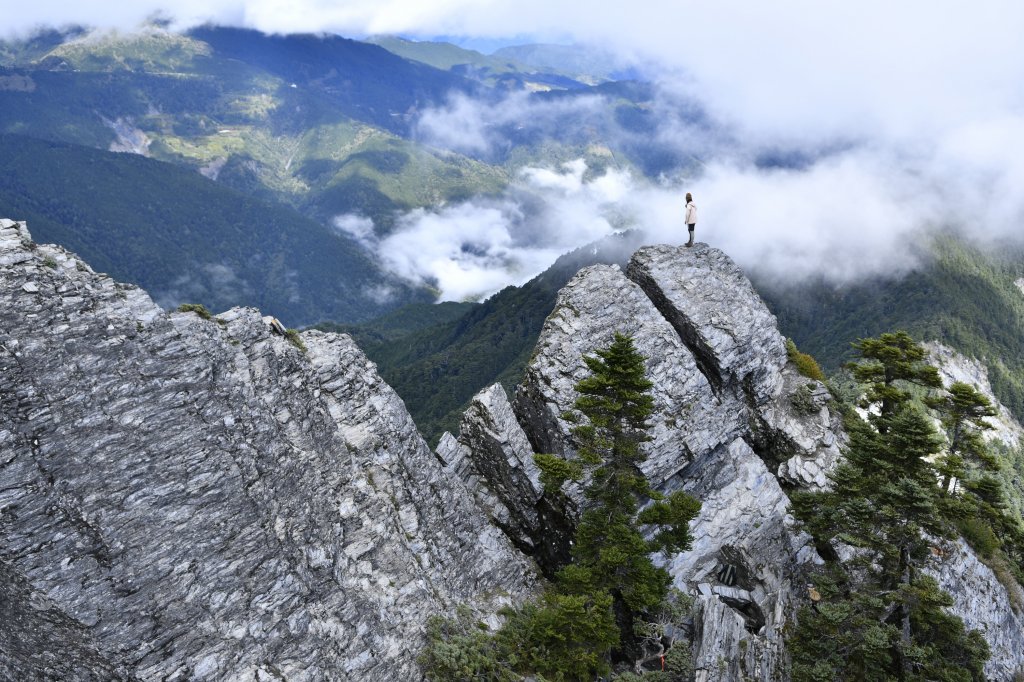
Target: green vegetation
point(183, 237)
point(805, 364)
point(612, 599)
point(962, 296)
point(250, 110)
point(197, 308)
point(400, 323)
point(610, 553)
point(449, 57)
point(295, 339)
point(877, 615)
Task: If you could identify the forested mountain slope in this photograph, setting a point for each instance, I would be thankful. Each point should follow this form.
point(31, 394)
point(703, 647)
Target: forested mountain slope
point(187, 239)
point(963, 295)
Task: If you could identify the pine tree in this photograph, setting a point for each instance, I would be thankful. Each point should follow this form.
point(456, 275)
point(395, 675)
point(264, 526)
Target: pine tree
point(614, 538)
point(963, 411)
point(886, 503)
point(570, 632)
point(892, 357)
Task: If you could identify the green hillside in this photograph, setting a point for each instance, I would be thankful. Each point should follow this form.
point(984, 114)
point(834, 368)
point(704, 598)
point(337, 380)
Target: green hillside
point(497, 71)
point(446, 56)
point(587, 64)
point(317, 123)
point(964, 297)
point(185, 238)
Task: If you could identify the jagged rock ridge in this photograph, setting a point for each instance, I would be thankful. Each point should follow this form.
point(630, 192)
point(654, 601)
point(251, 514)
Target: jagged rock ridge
point(184, 498)
point(198, 499)
point(734, 424)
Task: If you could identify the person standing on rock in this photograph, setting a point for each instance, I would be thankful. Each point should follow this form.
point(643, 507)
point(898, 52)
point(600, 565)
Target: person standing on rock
point(691, 216)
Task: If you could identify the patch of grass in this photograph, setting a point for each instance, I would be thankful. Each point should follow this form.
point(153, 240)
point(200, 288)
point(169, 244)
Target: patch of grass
point(197, 308)
point(295, 339)
point(805, 364)
point(802, 400)
point(979, 536)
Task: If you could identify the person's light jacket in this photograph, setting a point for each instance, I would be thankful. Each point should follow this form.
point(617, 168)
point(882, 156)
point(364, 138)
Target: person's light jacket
point(691, 213)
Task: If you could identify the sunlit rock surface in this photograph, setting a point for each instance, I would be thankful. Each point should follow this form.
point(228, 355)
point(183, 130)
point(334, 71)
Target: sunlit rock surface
point(184, 498)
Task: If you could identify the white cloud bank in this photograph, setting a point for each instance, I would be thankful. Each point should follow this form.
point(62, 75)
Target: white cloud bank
point(789, 69)
point(922, 98)
point(473, 249)
point(848, 216)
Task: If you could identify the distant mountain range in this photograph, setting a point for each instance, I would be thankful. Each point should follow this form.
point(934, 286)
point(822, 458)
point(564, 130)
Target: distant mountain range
point(317, 126)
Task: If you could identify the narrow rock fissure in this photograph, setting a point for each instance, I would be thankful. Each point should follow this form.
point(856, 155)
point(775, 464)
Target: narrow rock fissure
point(702, 355)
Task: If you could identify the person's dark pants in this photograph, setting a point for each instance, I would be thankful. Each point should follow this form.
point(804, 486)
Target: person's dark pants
point(690, 228)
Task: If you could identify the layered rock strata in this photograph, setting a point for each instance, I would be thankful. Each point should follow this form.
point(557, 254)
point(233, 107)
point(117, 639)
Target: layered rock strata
point(184, 498)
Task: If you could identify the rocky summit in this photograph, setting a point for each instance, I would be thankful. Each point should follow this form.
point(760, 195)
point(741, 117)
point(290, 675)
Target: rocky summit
point(735, 425)
point(194, 497)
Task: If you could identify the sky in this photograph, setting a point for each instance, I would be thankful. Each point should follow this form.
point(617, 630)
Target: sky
point(911, 115)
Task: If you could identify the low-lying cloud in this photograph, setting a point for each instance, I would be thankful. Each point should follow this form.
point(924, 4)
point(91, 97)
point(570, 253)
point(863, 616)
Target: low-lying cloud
point(863, 212)
point(472, 249)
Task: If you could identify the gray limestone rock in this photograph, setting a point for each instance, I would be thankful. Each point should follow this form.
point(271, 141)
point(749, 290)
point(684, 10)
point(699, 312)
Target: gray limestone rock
point(954, 367)
point(688, 416)
point(729, 411)
point(745, 555)
point(199, 499)
point(985, 604)
point(40, 642)
point(495, 459)
point(716, 312)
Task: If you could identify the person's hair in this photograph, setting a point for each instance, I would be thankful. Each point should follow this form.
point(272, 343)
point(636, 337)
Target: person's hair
point(689, 197)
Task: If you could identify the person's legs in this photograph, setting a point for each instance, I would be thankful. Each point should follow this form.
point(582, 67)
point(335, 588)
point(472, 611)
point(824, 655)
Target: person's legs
point(690, 227)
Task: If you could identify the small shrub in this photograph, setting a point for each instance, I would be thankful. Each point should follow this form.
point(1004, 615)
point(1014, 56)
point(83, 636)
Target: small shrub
point(805, 364)
point(49, 262)
point(802, 400)
point(197, 308)
point(295, 339)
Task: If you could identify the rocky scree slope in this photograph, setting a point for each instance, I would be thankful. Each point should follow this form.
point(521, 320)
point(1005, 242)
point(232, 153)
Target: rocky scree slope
point(734, 425)
point(197, 499)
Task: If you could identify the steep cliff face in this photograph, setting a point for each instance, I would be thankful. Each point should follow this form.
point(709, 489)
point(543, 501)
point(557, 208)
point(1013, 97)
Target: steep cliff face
point(992, 606)
point(184, 498)
point(727, 427)
point(734, 424)
point(954, 367)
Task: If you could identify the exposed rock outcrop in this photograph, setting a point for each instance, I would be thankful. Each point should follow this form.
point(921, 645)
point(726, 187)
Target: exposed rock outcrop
point(189, 498)
point(733, 420)
point(985, 604)
point(954, 367)
point(184, 498)
point(734, 424)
